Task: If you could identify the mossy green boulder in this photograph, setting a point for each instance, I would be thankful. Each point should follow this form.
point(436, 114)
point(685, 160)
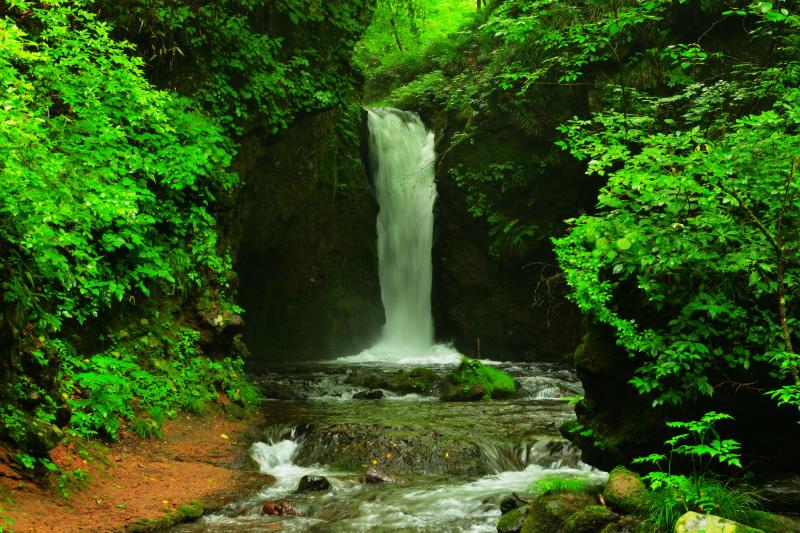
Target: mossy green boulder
point(625, 491)
point(549, 513)
point(471, 376)
point(512, 521)
point(590, 519)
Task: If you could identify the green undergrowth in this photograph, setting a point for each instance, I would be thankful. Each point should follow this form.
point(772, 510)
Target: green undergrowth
point(496, 382)
point(135, 386)
point(116, 387)
point(558, 484)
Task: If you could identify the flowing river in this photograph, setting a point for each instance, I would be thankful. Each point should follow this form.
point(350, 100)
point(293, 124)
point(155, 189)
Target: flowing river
point(452, 462)
point(458, 460)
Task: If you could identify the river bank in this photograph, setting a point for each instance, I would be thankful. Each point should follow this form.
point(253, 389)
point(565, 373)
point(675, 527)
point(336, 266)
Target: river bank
point(136, 484)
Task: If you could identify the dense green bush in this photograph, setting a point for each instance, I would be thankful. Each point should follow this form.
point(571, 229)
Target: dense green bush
point(106, 182)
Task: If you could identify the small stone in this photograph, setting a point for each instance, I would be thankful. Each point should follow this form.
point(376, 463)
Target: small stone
point(368, 395)
point(376, 476)
point(313, 483)
point(279, 508)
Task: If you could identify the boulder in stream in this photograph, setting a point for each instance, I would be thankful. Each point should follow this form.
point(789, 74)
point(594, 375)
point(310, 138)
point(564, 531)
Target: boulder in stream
point(313, 483)
point(279, 508)
point(782, 495)
point(368, 395)
point(468, 392)
point(376, 476)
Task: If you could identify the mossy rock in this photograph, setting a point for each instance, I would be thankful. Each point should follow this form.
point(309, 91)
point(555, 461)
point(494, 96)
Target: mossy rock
point(512, 521)
point(772, 523)
point(692, 522)
point(590, 520)
point(625, 490)
point(626, 524)
point(470, 372)
point(550, 513)
point(468, 392)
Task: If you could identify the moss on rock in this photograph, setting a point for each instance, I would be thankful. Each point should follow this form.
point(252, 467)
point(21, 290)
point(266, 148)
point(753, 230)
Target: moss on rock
point(511, 522)
point(625, 490)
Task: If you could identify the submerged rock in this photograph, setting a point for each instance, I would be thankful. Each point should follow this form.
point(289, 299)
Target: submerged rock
point(693, 522)
point(625, 490)
point(368, 395)
point(313, 483)
point(469, 392)
point(279, 508)
point(376, 476)
point(782, 494)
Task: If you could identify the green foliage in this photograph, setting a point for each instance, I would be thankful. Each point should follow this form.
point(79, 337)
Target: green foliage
point(485, 190)
point(71, 480)
point(709, 495)
point(243, 69)
point(106, 182)
point(403, 31)
point(557, 484)
point(673, 495)
point(697, 224)
point(113, 387)
point(496, 382)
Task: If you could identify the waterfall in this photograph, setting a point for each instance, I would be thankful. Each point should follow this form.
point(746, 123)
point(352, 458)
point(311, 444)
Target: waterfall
point(402, 158)
point(402, 155)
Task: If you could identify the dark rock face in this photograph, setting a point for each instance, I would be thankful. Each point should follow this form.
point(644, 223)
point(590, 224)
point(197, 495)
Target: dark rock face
point(313, 484)
point(304, 225)
point(508, 301)
point(279, 508)
point(618, 416)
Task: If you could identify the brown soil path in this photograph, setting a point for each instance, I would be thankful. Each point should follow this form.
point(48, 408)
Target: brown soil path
point(200, 459)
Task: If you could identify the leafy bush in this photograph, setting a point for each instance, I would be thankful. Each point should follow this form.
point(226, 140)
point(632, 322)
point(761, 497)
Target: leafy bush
point(105, 180)
point(112, 388)
point(701, 491)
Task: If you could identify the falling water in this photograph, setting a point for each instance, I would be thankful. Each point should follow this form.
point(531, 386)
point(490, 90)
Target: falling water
point(402, 156)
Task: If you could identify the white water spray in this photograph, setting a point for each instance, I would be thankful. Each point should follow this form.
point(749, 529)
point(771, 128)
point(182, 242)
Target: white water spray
point(402, 156)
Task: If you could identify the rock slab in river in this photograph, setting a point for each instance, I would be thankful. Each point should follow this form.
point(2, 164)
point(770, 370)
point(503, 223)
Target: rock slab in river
point(279, 508)
point(313, 483)
point(376, 476)
point(693, 522)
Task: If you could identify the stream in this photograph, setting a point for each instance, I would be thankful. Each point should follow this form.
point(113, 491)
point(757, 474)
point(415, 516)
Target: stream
point(458, 460)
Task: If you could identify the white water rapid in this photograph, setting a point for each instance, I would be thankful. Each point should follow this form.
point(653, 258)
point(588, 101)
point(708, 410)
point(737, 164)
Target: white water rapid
point(402, 156)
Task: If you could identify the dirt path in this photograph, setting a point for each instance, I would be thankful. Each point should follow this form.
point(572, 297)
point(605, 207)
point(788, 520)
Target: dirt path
point(135, 484)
